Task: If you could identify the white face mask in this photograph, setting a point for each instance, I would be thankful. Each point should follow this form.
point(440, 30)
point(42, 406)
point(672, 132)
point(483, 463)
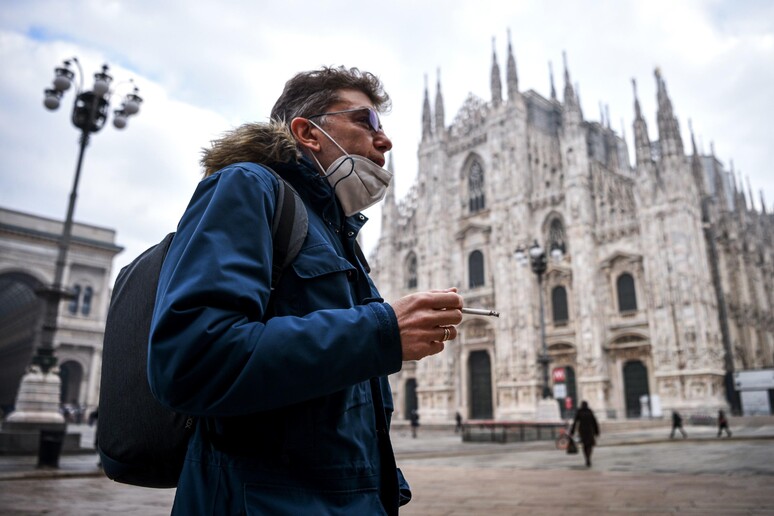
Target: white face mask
point(358, 182)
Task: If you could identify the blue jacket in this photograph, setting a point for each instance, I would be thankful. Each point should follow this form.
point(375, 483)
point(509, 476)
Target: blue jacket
point(281, 381)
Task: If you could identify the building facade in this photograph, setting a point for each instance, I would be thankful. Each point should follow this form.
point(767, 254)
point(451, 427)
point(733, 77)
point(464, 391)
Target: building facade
point(28, 252)
point(666, 278)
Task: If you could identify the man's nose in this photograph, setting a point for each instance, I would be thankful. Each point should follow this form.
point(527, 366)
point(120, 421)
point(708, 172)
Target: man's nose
point(382, 142)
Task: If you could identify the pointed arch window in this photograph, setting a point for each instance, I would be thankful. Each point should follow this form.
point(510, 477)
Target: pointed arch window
point(476, 269)
point(627, 297)
point(557, 238)
point(559, 305)
point(476, 199)
point(75, 301)
point(88, 293)
point(411, 271)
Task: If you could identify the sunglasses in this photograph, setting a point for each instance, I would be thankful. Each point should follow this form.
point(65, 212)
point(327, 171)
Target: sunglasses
point(373, 116)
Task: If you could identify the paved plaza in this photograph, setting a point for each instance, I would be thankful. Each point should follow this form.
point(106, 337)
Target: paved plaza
point(641, 472)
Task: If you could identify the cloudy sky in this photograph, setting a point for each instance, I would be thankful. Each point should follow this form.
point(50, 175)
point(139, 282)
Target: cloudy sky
point(205, 67)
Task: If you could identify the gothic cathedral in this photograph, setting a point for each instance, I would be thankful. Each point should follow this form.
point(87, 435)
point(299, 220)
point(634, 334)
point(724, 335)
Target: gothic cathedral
point(657, 275)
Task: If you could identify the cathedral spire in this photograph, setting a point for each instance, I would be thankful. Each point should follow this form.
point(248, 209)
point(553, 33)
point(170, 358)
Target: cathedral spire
point(750, 194)
point(741, 201)
point(637, 110)
point(641, 140)
point(440, 123)
point(427, 130)
point(763, 202)
point(611, 144)
point(551, 80)
point(570, 100)
point(601, 115)
point(512, 78)
point(669, 138)
point(497, 87)
point(389, 198)
point(697, 170)
point(390, 213)
point(719, 183)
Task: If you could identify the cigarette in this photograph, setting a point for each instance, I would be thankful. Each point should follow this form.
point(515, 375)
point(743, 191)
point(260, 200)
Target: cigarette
point(480, 311)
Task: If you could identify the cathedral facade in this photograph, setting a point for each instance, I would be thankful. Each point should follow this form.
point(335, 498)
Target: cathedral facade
point(660, 280)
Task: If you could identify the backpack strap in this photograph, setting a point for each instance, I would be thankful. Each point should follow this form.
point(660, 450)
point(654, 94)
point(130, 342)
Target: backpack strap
point(289, 227)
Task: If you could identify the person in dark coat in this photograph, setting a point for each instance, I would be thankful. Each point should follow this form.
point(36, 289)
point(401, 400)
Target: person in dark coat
point(723, 423)
point(414, 423)
point(588, 430)
point(677, 424)
point(458, 419)
point(289, 384)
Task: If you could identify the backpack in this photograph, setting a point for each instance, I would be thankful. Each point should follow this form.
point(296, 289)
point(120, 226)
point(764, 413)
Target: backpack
point(141, 442)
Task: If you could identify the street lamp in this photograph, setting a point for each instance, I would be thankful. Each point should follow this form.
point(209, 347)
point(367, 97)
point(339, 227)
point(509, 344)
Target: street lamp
point(535, 256)
point(90, 111)
point(39, 393)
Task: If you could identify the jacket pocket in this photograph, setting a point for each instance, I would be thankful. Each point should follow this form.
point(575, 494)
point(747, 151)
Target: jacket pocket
point(319, 260)
point(320, 279)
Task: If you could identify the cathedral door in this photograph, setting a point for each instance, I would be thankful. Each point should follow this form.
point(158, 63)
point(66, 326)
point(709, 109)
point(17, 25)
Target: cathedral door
point(480, 369)
point(635, 385)
point(410, 402)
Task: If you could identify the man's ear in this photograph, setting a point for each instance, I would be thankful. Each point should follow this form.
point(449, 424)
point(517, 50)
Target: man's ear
point(305, 134)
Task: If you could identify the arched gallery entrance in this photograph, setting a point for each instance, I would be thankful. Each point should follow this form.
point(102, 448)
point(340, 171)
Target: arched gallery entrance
point(20, 312)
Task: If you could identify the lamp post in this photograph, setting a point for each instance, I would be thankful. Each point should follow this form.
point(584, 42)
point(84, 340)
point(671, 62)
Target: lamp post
point(89, 114)
point(37, 406)
point(535, 256)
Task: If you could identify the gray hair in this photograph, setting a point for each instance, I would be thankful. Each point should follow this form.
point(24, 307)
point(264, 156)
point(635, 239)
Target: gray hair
point(312, 92)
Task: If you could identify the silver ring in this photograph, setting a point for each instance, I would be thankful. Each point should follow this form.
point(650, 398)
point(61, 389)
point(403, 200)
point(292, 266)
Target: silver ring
point(446, 334)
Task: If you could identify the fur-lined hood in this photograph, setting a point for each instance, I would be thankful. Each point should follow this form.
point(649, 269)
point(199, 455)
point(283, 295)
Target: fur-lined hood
point(266, 143)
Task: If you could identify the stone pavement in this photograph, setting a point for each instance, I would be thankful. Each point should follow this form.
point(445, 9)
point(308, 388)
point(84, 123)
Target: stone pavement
point(635, 470)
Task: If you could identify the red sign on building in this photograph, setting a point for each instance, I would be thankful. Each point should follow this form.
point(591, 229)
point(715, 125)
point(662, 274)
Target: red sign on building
point(558, 375)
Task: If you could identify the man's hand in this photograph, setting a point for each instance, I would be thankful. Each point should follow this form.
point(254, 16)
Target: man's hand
point(426, 320)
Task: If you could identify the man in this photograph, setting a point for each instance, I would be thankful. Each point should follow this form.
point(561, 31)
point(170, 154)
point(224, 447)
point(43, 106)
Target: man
point(414, 418)
point(588, 430)
point(723, 424)
point(289, 385)
point(677, 424)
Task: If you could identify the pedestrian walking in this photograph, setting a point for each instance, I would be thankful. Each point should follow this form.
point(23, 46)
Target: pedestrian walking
point(414, 423)
point(677, 424)
point(289, 383)
point(458, 419)
point(723, 423)
point(588, 430)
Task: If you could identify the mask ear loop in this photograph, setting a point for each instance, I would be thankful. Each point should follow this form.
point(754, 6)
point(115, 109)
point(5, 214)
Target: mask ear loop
point(349, 158)
point(326, 174)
